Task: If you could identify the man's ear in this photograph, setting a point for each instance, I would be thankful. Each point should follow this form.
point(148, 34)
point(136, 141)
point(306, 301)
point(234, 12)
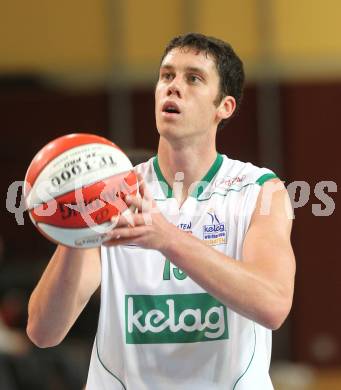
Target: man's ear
point(226, 107)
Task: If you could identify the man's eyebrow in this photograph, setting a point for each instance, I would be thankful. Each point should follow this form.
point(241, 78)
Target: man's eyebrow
point(195, 69)
point(192, 69)
point(166, 66)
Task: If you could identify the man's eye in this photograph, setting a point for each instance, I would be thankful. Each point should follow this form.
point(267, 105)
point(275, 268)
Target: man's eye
point(166, 76)
point(193, 78)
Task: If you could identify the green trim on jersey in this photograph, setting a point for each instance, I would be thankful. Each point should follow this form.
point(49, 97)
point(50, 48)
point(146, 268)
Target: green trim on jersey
point(264, 178)
point(106, 369)
point(200, 187)
point(248, 366)
point(164, 185)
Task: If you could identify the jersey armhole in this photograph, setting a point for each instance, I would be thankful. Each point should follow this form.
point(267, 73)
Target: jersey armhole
point(264, 178)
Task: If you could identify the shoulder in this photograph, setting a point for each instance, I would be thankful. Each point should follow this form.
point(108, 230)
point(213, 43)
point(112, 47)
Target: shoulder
point(144, 167)
point(147, 170)
point(236, 174)
point(263, 186)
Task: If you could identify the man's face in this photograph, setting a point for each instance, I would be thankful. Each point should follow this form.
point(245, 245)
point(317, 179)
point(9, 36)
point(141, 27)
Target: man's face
point(185, 93)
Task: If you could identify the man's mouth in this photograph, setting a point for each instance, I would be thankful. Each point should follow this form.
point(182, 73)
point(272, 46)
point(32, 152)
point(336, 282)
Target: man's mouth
point(170, 108)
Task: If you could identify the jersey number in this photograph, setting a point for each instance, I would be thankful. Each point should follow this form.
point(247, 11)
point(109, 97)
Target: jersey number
point(180, 275)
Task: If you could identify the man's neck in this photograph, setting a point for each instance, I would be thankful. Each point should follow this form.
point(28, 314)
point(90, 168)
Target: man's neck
point(187, 163)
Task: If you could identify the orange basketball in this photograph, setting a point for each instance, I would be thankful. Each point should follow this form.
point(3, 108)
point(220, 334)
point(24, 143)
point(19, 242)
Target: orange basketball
point(75, 185)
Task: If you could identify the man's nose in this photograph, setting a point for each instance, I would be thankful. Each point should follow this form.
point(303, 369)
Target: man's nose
point(174, 89)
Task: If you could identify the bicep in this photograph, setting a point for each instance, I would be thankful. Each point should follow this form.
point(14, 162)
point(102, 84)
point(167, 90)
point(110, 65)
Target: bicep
point(267, 245)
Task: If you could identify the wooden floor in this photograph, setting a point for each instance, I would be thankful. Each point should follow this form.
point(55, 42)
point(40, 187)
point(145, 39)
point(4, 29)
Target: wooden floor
point(305, 378)
point(328, 380)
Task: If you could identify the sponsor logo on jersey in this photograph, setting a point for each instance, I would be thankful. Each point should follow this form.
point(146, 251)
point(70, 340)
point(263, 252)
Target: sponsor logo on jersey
point(215, 233)
point(186, 227)
point(177, 318)
point(228, 181)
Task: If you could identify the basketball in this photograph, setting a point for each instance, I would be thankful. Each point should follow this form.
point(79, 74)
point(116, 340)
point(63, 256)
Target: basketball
point(74, 187)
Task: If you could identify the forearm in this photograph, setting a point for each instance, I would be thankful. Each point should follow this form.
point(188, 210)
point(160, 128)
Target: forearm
point(239, 285)
point(60, 295)
point(258, 286)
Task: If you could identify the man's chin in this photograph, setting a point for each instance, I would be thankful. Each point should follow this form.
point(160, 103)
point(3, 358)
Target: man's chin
point(171, 132)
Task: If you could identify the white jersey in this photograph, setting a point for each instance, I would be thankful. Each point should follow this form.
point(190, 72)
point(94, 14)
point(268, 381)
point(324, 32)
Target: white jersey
point(158, 329)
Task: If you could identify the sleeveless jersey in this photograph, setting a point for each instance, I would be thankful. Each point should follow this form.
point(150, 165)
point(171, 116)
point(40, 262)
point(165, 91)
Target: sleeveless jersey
point(158, 329)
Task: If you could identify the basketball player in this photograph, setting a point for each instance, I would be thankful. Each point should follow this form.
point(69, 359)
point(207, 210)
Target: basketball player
point(194, 282)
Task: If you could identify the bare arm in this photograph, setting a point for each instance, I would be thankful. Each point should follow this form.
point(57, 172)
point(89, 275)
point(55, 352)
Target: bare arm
point(64, 289)
point(260, 287)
